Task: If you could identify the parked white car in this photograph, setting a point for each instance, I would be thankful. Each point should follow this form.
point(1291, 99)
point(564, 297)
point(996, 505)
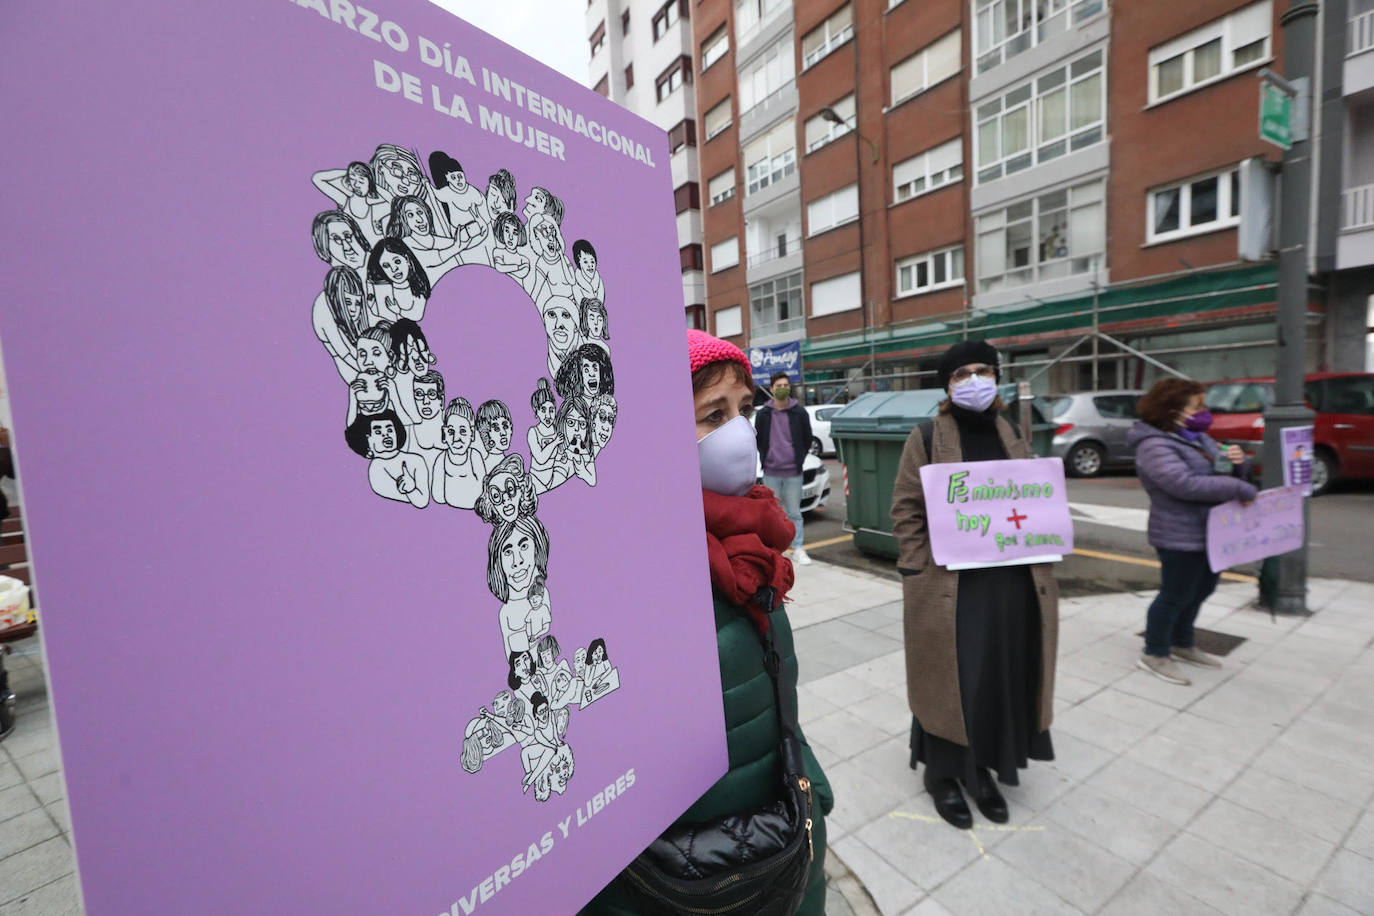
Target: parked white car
point(815, 483)
point(821, 443)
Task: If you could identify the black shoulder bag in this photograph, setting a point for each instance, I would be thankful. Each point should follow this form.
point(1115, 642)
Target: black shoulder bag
point(755, 862)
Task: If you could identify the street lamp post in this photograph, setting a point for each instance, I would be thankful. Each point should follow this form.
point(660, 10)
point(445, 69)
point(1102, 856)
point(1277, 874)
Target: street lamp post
point(833, 117)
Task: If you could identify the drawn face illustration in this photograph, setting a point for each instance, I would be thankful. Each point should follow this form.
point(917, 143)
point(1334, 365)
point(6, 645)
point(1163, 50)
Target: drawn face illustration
point(574, 432)
point(416, 220)
point(509, 235)
point(458, 180)
point(372, 396)
point(504, 494)
point(598, 655)
point(427, 400)
point(586, 262)
point(395, 266)
point(353, 305)
point(418, 357)
point(596, 325)
point(534, 203)
point(559, 325)
point(546, 657)
point(406, 177)
point(381, 439)
point(591, 378)
point(357, 181)
point(373, 354)
point(524, 666)
point(561, 682)
point(560, 771)
point(500, 703)
point(517, 560)
point(602, 428)
point(458, 435)
point(541, 715)
point(495, 202)
point(550, 245)
point(546, 413)
point(345, 250)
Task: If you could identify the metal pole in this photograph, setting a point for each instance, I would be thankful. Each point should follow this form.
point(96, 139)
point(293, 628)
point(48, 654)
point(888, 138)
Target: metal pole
point(1095, 341)
point(1289, 409)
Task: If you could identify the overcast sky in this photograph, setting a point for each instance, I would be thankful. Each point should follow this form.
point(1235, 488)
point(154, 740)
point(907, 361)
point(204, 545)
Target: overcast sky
point(548, 30)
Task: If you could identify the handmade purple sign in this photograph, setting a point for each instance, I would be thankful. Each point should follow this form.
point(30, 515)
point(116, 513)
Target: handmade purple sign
point(1269, 526)
point(997, 513)
point(1296, 444)
point(342, 345)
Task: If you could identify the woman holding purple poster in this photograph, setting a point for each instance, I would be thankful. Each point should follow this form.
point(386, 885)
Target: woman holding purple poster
point(1185, 474)
point(980, 643)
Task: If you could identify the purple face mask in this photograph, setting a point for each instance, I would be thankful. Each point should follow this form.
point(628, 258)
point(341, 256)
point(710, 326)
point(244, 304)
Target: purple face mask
point(1199, 422)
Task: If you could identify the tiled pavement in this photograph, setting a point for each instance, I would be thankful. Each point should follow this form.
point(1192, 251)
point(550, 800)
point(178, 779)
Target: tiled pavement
point(1249, 792)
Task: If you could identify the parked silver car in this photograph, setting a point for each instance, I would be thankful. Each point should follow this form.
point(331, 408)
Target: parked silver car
point(1091, 429)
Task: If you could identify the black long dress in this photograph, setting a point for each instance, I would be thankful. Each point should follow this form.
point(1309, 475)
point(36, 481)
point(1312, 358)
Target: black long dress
point(997, 638)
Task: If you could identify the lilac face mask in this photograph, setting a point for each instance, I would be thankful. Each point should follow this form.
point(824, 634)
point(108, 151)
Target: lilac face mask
point(1199, 422)
point(974, 393)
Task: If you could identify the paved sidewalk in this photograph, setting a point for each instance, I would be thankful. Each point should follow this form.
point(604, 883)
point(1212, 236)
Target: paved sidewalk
point(1248, 792)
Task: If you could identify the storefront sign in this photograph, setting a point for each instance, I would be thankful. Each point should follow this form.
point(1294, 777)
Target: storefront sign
point(768, 361)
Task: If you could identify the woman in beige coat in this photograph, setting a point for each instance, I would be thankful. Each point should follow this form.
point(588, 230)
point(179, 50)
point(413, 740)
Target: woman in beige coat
point(980, 644)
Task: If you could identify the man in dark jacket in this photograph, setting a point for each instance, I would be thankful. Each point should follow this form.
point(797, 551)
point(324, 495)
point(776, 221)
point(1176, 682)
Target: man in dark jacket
point(783, 428)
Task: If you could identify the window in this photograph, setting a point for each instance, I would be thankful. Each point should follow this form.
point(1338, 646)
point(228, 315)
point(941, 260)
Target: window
point(1240, 397)
point(770, 71)
point(834, 209)
point(771, 158)
point(1059, 112)
point(690, 257)
point(602, 86)
point(1212, 52)
point(684, 134)
point(696, 317)
point(933, 270)
point(722, 187)
point(925, 68)
point(776, 305)
point(1116, 406)
point(625, 23)
point(828, 36)
point(718, 118)
point(1203, 204)
point(715, 47)
point(729, 322)
point(1004, 28)
point(1350, 395)
point(668, 16)
point(752, 15)
point(932, 169)
point(670, 80)
point(725, 254)
point(1059, 234)
point(629, 76)
point(820, 130)
point(838, 294)
point(687, 197)
point(598, 38)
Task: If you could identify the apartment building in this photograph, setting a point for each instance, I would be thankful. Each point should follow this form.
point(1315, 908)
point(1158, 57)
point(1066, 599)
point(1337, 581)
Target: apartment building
point(641, 58)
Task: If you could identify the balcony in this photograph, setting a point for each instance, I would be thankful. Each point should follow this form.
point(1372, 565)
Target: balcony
point(762, 34)
point(770, 333)
point(1355, 244)
point(1359, 54)
point(776, 189)
point(781, 256)
point(767, 111)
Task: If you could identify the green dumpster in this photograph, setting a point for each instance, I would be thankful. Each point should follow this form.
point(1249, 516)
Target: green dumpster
point(869, 434)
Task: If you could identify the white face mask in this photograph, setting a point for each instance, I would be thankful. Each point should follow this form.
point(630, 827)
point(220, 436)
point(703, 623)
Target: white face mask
point(729, 458)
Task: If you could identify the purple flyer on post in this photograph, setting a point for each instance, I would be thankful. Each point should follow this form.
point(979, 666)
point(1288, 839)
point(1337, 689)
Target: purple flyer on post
point(1297, 446)
point(1269, 526)
point(997, 513)
point(338, 420)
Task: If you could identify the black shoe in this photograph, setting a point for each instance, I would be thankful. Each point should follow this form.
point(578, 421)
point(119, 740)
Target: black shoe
point(988, 799)
point(6, 720)
point(949, 802)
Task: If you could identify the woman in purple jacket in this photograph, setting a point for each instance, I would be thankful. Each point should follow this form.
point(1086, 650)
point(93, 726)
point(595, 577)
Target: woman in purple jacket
point(1185, 473)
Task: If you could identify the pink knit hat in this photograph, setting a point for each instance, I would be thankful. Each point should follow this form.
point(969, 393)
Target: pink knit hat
point(703, 349)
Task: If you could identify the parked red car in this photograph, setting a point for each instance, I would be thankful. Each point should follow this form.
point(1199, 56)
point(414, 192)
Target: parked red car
point(1344, 433)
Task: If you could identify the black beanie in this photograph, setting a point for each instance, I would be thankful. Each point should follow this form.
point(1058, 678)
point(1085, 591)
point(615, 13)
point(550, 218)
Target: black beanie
point(963, 353)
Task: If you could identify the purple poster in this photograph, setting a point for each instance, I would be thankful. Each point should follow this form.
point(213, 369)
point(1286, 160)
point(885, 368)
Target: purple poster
point(337, 418)
point(1296, 442)
point(997, 513)
point(1269, 526)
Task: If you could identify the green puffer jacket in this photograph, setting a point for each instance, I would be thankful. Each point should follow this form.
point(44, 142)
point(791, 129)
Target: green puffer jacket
point(751, 736)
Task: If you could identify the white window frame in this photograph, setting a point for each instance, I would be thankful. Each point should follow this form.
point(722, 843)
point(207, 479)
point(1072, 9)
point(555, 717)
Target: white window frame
point(923, 180)
point(752, 15)
point(1039, 21)
point(779, 71)
point(921, 60)
point(1228, 206)
point(833, 131)
point(718, 197)
point(715, 47)
point(1080, 198)
point(832, 282)
point(706, 119)
point(729, 322)
point(763, 304)
point(820, 213)
point(670, 17)
point(1030, 98)
point(676, 77)
point(951, 258)
point(832, 38)
point(725, 254)
point(1235, 31)
point(781, 162)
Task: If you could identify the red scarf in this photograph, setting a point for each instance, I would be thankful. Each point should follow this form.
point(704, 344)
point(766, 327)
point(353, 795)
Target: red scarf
point(745, 538)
